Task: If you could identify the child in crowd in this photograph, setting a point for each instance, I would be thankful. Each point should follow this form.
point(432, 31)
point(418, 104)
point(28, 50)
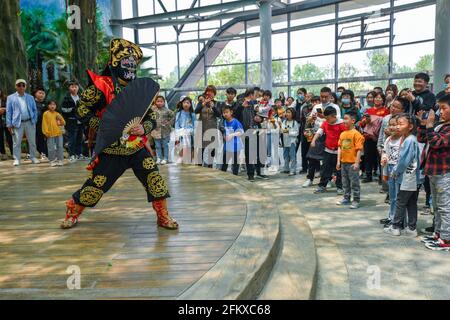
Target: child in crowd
point(399, 105)
point(437, 168)
point(161, 134)
point(184, 129)
point(265, 111)
point(371, 125)
point(389, 159)
point(332, 129)
point(233, 144)
point(315, 154)
point(53, 128)
point(289, 129)
point(351, 143)
point(407, 175)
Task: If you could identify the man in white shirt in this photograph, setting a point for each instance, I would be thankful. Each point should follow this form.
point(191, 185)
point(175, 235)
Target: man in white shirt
point(21, 117)
point(325, 99)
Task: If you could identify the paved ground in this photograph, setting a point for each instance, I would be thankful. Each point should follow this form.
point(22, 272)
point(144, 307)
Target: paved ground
point(352, 247)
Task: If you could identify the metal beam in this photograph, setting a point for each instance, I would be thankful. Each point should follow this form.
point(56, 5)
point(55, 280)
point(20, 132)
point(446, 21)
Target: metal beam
point(184, 12)
point(194, 2)
point(165, 10)
point(265, 22)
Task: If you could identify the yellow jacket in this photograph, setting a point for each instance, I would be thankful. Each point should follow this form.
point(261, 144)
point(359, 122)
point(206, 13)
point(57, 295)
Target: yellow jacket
point(50, 126)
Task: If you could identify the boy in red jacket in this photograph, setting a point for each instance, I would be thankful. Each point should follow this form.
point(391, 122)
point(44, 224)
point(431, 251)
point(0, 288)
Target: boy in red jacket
point(332, 128)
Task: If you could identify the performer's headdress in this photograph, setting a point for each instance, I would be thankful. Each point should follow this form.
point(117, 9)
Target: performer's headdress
point(121, 48)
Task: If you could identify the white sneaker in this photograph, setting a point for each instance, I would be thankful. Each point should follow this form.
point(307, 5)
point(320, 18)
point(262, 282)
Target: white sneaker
point(43, 157)
point(35, 161)
point(392, 231)
point(16, 163)
point(308, 183)
point(60, 163)
point(410, 233)
point(158, 161)
point(163, 162)
point(72, 159)
point(53, 163)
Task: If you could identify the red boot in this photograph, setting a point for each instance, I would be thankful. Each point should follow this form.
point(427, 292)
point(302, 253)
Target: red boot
point(73, 211)
point(164, 219)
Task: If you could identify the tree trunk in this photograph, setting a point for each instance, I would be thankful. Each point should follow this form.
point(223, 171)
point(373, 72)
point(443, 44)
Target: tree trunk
point(13, 61)
point(84, 41)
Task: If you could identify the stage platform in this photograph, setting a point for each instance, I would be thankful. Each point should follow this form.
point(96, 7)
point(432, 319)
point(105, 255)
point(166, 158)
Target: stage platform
point(119, 250)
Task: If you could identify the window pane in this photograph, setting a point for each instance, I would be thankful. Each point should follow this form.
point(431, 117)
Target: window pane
point(147, 35)
point(254, 73)
point(166, 34)
point(406, 28)
point(279, 71)
point(128, 34)
point(167, 65)
point(232, 53)
point(279, 46)
point(188, 52)
point(312, 41)
point(364, 63)
point(145, 7)
point(414, 58)
point(311, 69)
point(349, 8)
point(253, 49)
point(226, 75)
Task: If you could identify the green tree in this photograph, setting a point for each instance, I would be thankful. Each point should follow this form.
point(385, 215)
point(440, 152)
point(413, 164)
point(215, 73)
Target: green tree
point(310, 72)
point(347, 71)
point(13, 62)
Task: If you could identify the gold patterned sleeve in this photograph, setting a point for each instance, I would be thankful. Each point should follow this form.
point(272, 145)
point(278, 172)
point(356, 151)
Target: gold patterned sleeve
point(91, 100)
point(149, 123)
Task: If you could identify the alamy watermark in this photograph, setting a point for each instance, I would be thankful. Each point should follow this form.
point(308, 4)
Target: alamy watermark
point(74, 280)
point(73, 17)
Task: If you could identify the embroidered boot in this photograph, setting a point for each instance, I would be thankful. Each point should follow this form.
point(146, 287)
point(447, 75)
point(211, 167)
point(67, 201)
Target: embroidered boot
point(164, 219)
point(73, 212)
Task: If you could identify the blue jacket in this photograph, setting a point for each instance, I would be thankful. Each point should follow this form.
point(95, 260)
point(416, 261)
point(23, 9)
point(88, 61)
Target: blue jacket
point(409, 155)
point(13, 114)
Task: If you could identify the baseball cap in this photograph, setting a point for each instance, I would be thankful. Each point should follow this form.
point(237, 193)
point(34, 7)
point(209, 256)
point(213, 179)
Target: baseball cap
point(20, 81)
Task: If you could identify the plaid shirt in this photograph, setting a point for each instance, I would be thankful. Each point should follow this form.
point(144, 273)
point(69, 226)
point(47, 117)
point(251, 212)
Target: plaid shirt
point(436, 155)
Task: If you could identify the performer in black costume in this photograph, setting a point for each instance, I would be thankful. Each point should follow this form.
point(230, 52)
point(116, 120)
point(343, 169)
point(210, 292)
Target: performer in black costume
point(112, 162)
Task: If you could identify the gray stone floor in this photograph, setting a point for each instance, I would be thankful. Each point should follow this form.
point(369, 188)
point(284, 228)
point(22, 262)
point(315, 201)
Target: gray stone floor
point(352, 248)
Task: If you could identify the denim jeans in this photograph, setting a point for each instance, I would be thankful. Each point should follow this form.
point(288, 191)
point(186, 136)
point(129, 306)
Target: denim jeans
point(350, 182)
point(440, 190)
point(394, 188)
point(290, 158)
point(55, 148)
point(162, 148)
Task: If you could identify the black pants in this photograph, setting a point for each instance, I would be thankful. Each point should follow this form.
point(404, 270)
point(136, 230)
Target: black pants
point(406, 201)
point(75, 137)
point(227, 156)
point(111, 167)
point(305, 149)
point(427, 188)
point(371, 157)
point(4, 133)
point(41, 140)
point(329, 166)
point(313, 167)
point(250, 163)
